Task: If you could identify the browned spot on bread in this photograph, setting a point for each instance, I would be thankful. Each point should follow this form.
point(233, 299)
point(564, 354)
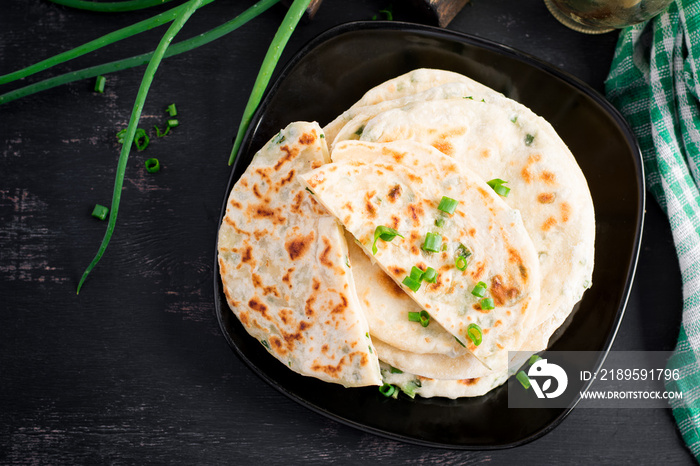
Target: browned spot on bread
point(260, 233)
point(235, 204)
point(266, 290)
point(397, 156)
point(386, 284)
point(335, 371)
point(395, 222)
point(546, 198)
point(307, 138)
point(502, 292)
point(287, 278)
point(285, 180)
point(286, 316)
point(243, 317)
point(277, 345)
point(289, 154)
point(298, 246)
point(308, 309)
point(477, 270)
point(222, 266)
point(348, 206)
point(485, 153)
point(394, 193)
point(316, 284)
point(341, 306)
point(414, 178)
point(256, 191)
point(526, 175)
point(325, 258)
point(415, 211)
point(548, 224)
point(261, 211)
point(472, 232)
point(548, 177)
point(565, 211)
point(247, 254)
point(468, 382)
point(369, 207)
point(396, 270)
point(258, 307)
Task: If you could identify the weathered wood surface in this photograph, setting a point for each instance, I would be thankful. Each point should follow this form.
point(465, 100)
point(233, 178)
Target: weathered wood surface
point(135, 370)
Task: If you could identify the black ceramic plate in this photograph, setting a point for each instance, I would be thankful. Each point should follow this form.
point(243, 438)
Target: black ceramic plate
point(328, 76)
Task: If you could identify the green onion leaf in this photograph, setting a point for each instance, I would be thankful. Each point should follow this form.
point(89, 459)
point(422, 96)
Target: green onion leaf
point(460, 342)
point(487, 304)
point(439, 222)
point(414, 316)
point(100, 84)
point(387, 390)
point(528, 139)
point(172, 111)
point(411, 283)
point(100, 212)
point(416, 273)
point(284, 32)
point(524, 379)
point(497, 185)
point(479, 290)
point(394, 370)
point(433, 242)
point(430, 275)
point(474, 334)
point(534, 358)
point(172, 123)
point(385, 234)
point(152, 165)
point(448, 205)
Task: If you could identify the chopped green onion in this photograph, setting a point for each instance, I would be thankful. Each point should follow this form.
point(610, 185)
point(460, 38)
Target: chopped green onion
point(265, 344)
point(172, 123)
point(430, 275)
point(474, 333)
point(463, 251)
point(160, 133)
point(423, 317)
point(411, 283)
point(479, 290)
point(313, 192)
point(172, 111)
point(141, 139)
point(534, 358)
point(152, 165)
point(460, 342)
point(487, 304)
point(394, 370)
point(514, 118)
point(433, 242)
point(461, 263)
point(385, 234)
point(100, 84)
point(468, 97)
point(387, 390)
point(524, 379)
point(439, 222)
point(448, 205)
point(100, 211)
point(528, 139)
point(497, 185)
point(416, 273)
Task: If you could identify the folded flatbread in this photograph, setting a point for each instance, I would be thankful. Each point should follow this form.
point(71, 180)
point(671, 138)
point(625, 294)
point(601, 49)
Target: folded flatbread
point(400, 185)
point(284, 266)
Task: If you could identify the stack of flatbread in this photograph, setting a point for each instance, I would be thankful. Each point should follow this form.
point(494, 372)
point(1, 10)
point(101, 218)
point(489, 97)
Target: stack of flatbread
point(414, 241)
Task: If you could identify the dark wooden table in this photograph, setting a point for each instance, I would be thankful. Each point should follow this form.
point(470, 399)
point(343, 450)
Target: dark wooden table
point(134, 369)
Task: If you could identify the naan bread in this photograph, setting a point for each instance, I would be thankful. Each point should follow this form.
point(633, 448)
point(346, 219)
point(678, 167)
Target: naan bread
point(399, 185)
point(284, 266)
point(498, 138)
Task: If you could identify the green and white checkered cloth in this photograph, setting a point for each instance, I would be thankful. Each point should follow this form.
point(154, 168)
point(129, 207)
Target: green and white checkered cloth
point(655, 82)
